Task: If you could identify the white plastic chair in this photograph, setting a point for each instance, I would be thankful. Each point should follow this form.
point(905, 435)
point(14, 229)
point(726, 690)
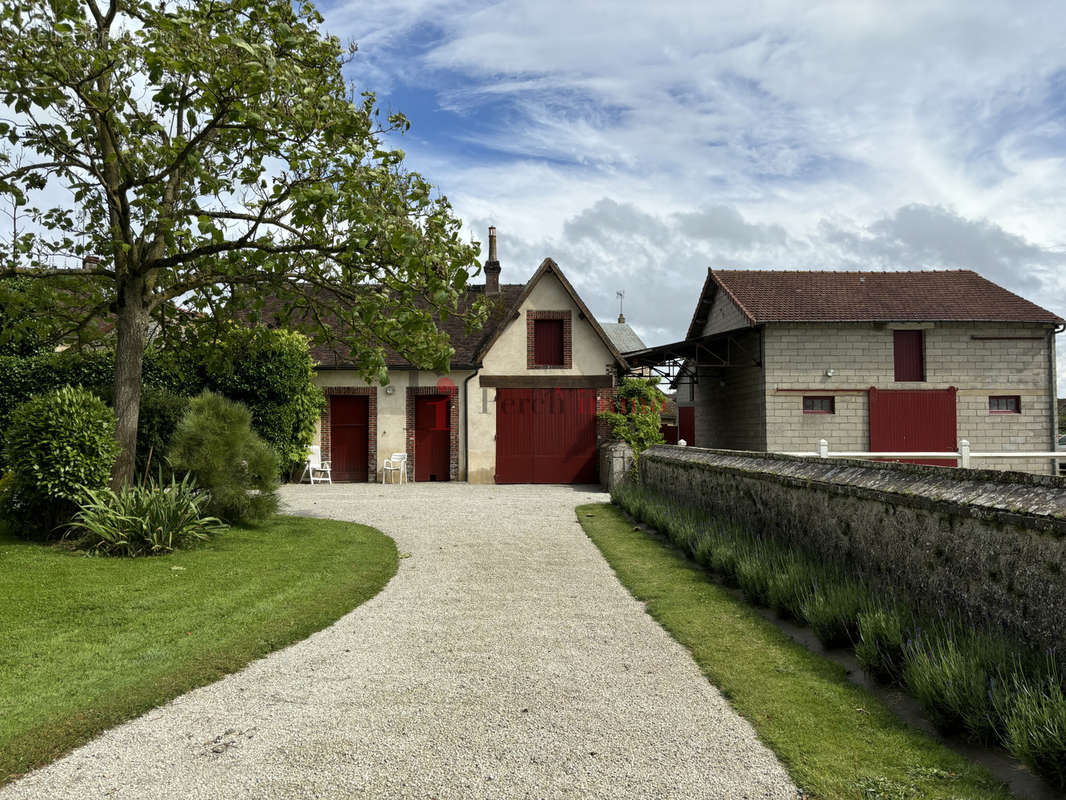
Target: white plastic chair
point(317, 469)
point(397, 462)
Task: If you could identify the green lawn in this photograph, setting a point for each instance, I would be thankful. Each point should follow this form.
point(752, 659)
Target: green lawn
point(88, 642)
point(835, 739)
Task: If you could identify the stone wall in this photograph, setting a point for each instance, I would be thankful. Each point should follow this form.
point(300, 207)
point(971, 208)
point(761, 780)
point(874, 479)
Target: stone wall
point(990, 545)
point(616, 460)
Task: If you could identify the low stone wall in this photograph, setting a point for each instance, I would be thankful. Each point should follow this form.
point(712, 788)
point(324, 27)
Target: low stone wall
point(988, 544)
point(616, 460)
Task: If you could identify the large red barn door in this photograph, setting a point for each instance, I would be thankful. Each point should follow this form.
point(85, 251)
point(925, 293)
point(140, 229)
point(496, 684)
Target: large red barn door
point(546, 436)
point(349, 422)
point(432, 437)
point(905, 420)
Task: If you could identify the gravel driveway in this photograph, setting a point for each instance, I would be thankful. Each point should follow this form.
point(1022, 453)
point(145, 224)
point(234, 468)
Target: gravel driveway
point(503, 661)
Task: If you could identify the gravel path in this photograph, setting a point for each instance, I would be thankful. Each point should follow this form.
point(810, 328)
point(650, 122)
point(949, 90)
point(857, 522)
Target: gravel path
point(503, 661)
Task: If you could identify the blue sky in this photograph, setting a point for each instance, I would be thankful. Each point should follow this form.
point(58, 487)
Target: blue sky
point(639, 143)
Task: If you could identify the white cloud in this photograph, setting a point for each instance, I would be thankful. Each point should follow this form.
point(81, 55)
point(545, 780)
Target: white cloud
point(640, 143)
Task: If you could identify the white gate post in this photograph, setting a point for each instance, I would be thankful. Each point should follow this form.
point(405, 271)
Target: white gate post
point(964, 451)
point(823, 448)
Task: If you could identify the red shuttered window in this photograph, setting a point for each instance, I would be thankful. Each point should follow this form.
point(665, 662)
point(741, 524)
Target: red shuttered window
point(548, 343)
point(909, 355)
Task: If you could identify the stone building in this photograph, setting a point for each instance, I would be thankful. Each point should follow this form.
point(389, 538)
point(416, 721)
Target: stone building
point(870, 361)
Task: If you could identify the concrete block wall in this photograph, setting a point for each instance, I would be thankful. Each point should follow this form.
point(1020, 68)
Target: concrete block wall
point(731, 404)
point(1011, 360)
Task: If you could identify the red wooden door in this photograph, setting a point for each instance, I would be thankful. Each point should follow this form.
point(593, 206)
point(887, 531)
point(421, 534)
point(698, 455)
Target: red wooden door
point(433, 435)
point(686, 424)
point(914, 420)
point(546, 436)
point(349, 423)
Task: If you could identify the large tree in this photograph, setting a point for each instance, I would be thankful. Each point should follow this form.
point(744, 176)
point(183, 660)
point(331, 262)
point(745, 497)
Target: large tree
point(210, 153)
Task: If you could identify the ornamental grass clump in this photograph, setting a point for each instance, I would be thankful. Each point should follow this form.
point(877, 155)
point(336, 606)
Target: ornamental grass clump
point(791, 586)
point(144, 520)
point(832, 611)
point(883, 630)
point(1035, 727)
point(962, 679)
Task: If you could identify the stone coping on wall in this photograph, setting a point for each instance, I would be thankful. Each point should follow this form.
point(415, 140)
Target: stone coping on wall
point(1036, 502)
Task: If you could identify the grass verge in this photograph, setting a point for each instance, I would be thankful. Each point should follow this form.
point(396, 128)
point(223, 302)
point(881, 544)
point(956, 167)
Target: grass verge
point(836, 740)
point(90, 642)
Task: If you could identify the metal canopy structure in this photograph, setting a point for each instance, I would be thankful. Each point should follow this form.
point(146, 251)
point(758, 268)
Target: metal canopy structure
point(680, 362)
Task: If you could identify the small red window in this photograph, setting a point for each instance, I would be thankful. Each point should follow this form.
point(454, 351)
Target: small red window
point(1005, 404)
point(819, 405)
point(548, 343)
point(908, 351)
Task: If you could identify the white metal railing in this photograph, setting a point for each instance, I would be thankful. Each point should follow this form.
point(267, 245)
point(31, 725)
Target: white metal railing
point(964, 453)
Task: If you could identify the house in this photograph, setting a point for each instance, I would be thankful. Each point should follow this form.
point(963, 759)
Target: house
point(870, 361)
point(519, 405)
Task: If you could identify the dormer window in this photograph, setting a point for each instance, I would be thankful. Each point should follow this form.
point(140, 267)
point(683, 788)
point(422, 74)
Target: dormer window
point(548, 340)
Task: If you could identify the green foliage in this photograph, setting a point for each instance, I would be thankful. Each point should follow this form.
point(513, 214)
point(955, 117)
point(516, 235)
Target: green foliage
point(836, 739)
point(161, 411)
point(969, 680)
point(883, 629)
point(832, 611)
point(148, 520)
point(636, 418)
point(1036, 727)
point(244, 167)
point(58, 445)
point(89, 643)
point(215, 444)
point(271, 372)
point(961, 678)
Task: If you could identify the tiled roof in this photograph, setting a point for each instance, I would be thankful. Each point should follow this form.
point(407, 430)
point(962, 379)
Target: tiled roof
point(913, 296)
point(467, 344)
point(623, 337)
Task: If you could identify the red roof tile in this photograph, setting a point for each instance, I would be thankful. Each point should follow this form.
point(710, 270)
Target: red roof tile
point(914, 296)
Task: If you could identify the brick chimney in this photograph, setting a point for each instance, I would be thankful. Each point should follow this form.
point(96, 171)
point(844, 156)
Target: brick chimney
point(492, 266)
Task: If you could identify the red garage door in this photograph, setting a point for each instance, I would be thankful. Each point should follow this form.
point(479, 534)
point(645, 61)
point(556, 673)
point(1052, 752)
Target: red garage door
point(546, 436)
point(906, 420)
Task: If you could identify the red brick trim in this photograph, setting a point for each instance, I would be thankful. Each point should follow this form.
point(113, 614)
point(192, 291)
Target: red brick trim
point(568, 352)
point(372, 430)
point(604, 402)
point(453, 424)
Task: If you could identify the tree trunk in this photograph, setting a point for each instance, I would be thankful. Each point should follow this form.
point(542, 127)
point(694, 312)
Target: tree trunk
point(129, 361)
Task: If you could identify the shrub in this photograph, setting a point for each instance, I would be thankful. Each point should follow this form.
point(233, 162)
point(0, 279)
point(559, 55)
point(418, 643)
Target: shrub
point(215, 444)
point(883, 630)
point(142, 520)
point(791, 587)
point(1036, 728)
point(94, 370)
point(961, 678)
point(58, 446)
point(268, 370)
point(832, 611)
point(756, 567)
point(724, 560)
point(635, 418)
point(161, 411)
